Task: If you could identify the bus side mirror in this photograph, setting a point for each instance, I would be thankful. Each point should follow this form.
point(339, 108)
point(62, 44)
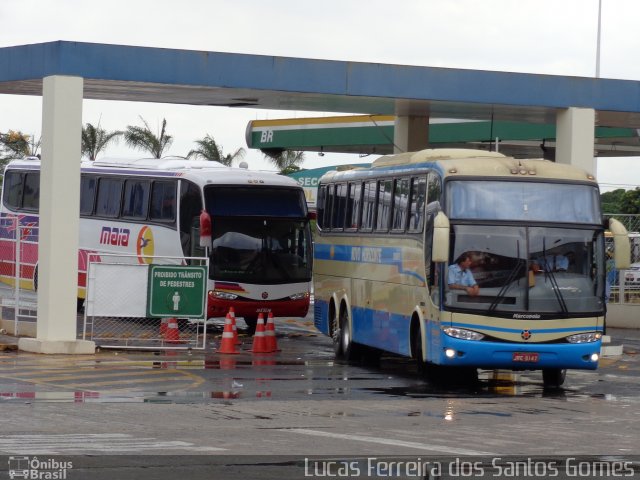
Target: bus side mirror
point(441, 231)
point(621, 245)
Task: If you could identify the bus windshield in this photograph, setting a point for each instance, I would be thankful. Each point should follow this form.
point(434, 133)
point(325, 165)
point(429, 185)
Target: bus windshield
point(260, 234)
point(268, 251)
point(529, 201)
point(520, 269)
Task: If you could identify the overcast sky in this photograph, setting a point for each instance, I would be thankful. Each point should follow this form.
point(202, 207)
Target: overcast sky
point(534, 36)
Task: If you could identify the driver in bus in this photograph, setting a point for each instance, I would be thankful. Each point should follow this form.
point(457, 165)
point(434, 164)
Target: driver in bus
point(553, 263)
point(460, 276)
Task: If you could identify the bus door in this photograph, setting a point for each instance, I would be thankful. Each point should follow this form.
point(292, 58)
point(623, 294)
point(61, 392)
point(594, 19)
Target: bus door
point(190, 208)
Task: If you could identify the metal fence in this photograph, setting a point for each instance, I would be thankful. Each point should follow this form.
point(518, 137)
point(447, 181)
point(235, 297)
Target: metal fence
point(116, 307)
point(625, 284)
point(18, 298)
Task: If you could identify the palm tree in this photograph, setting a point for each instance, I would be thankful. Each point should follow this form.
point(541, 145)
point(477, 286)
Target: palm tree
point(208, 149)
point(96, 139)
point(287, 161)
point(17, 144)
point(143, 138)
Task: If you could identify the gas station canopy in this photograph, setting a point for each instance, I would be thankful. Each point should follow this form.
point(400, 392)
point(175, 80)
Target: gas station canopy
point(373, 134)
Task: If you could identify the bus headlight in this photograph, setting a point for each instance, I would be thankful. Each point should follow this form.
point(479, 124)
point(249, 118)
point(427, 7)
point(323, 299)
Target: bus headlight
point(299, 296)
point(462, 333)
point(584, 337)
point(222, 295)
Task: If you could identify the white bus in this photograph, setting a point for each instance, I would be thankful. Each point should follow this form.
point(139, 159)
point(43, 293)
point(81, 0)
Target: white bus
point(394, 238)
point(260, 258)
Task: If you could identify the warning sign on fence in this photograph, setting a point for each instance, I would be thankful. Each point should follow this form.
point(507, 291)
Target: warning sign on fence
point(177, 291)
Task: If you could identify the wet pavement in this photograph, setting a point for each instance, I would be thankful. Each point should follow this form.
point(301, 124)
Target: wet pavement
point(300, 401)
point(303, 368)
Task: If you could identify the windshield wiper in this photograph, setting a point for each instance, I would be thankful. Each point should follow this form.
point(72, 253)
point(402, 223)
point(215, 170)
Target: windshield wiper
point(513, 274)
point(552, 278)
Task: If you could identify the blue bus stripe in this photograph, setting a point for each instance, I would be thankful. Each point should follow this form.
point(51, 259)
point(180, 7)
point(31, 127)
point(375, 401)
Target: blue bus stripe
point(391, 256)
point(471, 326)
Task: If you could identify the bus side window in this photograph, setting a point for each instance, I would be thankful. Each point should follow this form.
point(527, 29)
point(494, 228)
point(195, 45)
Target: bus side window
point(328, 207)
point(434, 189)
point(163, 202)
point(320, 206)
point(87, 194)
point(383, 213)
point(136, 199)
point(339, 206)
point(353, 206)
point(13, 190)
point(109, 197)
point(417, 204)
point(400, 204)
point(31, 195)
point(368, 206)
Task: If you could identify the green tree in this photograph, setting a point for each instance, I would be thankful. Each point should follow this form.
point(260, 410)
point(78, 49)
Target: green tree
point(621, 201)
point(630, 203)
point(287, 161)
point(96, 139)
point(208, 149)
point(611, 201)
point(17, 144)
point(142, 138)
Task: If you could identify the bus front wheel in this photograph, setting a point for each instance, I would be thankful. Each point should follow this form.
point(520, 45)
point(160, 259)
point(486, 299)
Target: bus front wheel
point(553, 377)
point(418, 352)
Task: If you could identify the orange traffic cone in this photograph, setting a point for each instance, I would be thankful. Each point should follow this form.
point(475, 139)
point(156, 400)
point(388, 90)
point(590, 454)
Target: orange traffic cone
point(270, 334)
point(232, 314)
point(172, 334)
point(227, 345)
point(259, 344)
point(163, 327)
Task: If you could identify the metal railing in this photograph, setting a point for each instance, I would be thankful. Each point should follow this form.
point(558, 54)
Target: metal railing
point(625, 284)
point(116, 307)
point(18, 297)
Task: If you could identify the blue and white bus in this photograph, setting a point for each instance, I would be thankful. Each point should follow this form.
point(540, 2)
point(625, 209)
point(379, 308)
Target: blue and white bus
point(391, 237)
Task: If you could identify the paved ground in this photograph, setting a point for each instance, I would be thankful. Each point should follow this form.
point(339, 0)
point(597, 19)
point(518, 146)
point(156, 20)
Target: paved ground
point(162, 408)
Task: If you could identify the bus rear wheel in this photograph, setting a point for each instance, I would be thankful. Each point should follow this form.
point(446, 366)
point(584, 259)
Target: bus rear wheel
point(343, 345)
point(336, 334)
point(553, 377)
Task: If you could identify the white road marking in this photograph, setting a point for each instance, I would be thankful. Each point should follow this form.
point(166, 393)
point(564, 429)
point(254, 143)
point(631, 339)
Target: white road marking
point(56, 444)
point(390, 441)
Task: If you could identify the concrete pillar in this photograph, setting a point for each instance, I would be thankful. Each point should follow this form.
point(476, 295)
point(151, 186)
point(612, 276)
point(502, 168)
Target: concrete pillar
point(59, 219)
point(411, 133)
point(575, 138)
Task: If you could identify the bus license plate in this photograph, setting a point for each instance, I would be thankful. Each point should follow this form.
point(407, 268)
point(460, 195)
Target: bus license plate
point(525, 357)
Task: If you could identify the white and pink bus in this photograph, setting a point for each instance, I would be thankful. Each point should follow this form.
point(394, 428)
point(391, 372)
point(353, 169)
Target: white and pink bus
point(260, 255)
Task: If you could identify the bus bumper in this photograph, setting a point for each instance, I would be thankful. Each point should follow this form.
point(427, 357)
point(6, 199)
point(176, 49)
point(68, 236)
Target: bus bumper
point(243, 307)
point(530, 356)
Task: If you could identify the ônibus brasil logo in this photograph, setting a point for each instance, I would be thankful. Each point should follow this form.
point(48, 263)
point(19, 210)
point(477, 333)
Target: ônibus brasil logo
point(37, 469)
